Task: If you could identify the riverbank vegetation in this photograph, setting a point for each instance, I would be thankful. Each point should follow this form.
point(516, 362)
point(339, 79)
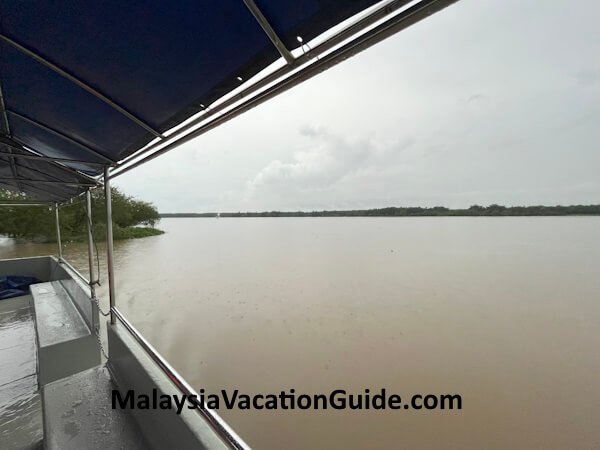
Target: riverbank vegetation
point(131, 218)
point(475, 210)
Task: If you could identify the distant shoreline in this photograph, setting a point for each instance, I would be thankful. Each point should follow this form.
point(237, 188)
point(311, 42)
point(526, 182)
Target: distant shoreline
point(436, 211)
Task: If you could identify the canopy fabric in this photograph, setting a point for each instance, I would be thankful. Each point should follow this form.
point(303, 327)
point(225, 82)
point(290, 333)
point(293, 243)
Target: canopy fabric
point(153, 63)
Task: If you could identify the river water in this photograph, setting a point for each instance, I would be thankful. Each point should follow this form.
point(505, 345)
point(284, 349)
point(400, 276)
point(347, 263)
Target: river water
point(502, 311)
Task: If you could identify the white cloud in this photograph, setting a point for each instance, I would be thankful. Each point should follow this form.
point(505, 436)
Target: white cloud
point(327, 160)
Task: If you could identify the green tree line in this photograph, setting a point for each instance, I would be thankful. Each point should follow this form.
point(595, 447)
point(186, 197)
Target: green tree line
point(475, 210)
point(39, 222)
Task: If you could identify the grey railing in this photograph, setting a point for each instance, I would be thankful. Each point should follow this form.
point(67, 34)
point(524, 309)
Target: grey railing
point(214, 420)
point(225, 433)
point(82, 277)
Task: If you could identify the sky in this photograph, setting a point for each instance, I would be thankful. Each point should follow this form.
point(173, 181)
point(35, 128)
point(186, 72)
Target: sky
point(484, 102)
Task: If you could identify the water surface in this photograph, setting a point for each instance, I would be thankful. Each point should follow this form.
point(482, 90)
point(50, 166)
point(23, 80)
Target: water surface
point(503, 311)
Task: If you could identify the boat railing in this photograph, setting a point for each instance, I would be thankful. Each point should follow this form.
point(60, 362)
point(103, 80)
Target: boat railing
point(220, 427)
point(82, 277)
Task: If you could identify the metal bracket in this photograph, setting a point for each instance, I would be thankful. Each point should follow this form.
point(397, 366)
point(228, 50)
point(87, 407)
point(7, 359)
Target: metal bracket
point(268, 29)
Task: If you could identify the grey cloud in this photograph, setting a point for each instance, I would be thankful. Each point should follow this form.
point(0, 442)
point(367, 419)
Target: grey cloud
point(328, 158)
point(475, 97)
point(588, 77)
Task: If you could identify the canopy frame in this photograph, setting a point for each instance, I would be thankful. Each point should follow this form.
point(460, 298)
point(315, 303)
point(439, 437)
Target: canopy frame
point(66, 183)
point(384, 10)
point(11, 159)
point(42, 158)
point(33, 154)
point(81, 84)
point(269, 31)
point(63, 136)
point(389, 27)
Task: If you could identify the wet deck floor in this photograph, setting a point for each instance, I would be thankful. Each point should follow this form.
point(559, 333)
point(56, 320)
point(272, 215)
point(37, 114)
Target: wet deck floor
point(20, 410)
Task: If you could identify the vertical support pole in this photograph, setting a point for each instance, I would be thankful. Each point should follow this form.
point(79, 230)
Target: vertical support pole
point(58, 233)
point(88, 199)
point(109, 245)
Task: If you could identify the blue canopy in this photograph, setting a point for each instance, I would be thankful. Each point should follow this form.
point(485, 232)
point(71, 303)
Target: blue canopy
point(90, 83)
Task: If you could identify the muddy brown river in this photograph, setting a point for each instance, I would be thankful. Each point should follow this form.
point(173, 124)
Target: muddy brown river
point(502, 311)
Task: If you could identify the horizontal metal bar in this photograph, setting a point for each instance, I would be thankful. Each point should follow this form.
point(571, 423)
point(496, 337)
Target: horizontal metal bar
point(66, 183)
point(223, 430)
point(62, 260)
point(14, 143)
point(393, 25)
point(380, 13)
point(61, 135)
point(81, 84)
point(26, 204)
point(84, 178)
point(46, 158)
point(25, 201)
point(269, 31)
point(71, 200)
point(385, 10)
point(42, 192)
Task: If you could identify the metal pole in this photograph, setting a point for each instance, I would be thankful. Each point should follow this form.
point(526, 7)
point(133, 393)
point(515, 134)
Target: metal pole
point(58, 232)
point(109, 246)
point(88, 198)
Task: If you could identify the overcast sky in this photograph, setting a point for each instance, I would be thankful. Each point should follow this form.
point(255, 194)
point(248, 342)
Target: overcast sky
point(485, 102)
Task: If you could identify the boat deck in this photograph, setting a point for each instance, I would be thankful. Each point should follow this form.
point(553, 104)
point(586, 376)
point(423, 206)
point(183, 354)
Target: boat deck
point(80, 414)
point(20, 408)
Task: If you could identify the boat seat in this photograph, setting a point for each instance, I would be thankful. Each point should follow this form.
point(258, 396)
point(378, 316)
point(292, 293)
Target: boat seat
point(66, 345)
point(78, 414)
